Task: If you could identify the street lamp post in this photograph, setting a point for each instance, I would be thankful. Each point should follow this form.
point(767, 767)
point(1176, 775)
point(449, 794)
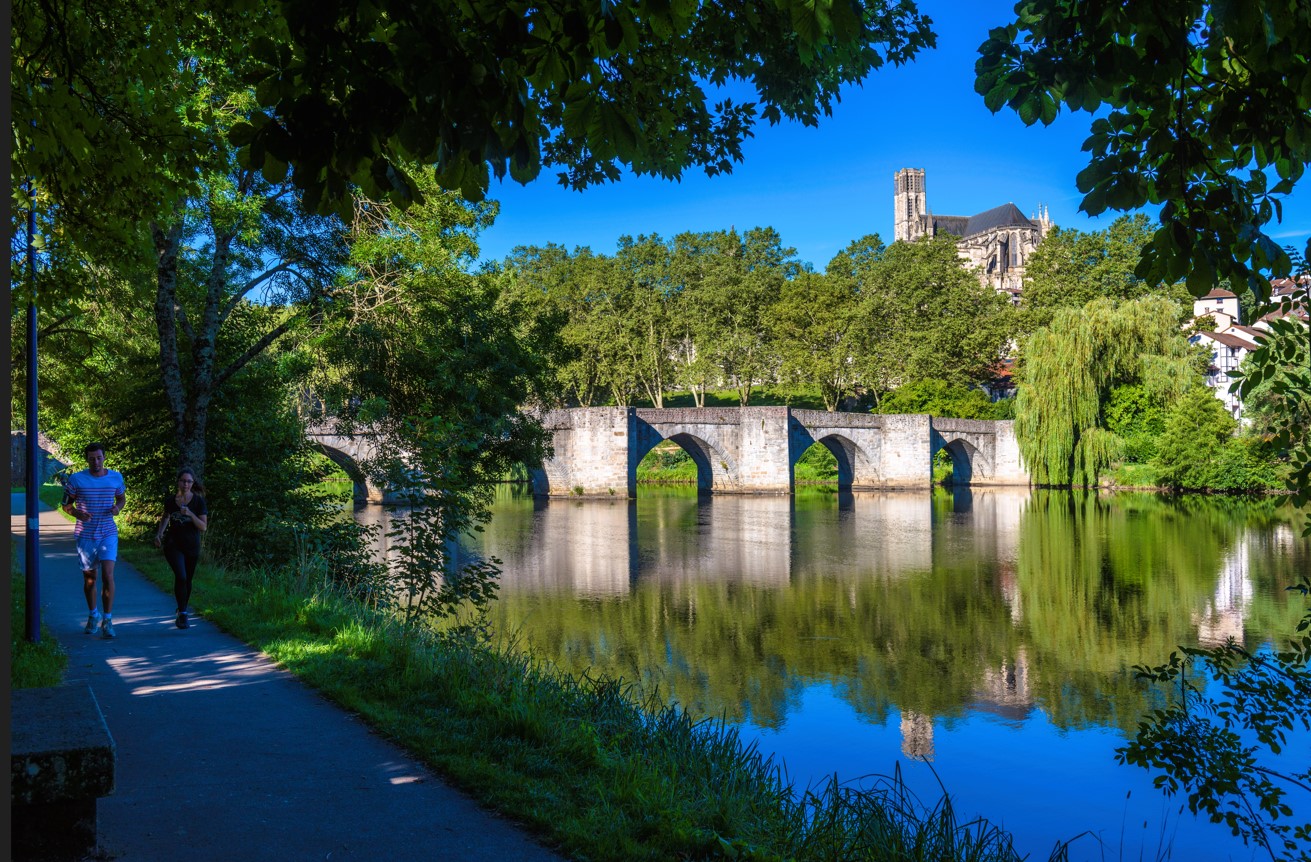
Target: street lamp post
point(32, 617)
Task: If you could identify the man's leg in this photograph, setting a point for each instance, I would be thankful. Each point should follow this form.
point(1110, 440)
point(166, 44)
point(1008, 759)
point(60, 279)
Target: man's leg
point(89, 589)
point(107, 585)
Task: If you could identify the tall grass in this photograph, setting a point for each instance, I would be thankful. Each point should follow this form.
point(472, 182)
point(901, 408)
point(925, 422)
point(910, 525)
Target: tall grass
point(34, 665)
point(596, 770)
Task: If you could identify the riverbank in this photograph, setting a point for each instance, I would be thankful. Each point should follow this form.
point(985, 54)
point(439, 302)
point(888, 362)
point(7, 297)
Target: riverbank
point(595, 772)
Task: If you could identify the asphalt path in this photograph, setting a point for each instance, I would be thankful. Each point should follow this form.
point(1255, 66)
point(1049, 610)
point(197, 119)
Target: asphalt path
point(221, 755)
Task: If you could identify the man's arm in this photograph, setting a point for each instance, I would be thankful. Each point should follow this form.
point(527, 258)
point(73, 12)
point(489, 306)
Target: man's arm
point(70, 504)
point(120, 499)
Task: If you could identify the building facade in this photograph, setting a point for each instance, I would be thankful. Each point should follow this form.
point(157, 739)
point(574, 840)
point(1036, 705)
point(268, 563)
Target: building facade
point(996, 243)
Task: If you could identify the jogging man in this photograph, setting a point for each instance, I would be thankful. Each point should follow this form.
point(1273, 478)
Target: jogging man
point(94, 496)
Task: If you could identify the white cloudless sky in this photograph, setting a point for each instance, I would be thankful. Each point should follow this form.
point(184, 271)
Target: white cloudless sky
point(823, 187)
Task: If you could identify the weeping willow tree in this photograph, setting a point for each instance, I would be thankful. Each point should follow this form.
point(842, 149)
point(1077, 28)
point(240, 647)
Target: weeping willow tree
point(1070, 367)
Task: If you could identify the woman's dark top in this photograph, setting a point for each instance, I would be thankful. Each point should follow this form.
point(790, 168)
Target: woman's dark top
point(181, 533)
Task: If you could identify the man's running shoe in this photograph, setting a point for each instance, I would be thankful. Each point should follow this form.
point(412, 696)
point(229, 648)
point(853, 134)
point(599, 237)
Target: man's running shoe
point(107, 629)
point(92, 623)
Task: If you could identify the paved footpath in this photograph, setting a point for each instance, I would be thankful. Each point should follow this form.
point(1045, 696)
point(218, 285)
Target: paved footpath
point(223, 756)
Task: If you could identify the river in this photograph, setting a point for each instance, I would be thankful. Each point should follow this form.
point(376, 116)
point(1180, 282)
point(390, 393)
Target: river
point(983, 639)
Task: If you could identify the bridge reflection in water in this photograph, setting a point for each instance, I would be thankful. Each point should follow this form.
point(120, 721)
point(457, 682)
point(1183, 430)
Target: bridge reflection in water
point(605, 547)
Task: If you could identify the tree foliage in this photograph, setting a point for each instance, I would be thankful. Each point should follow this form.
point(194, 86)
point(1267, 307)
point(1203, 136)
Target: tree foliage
point(415, 351)
point(1201, 108)
point(1202, 742)
point(939, 398)
point(355, 95)
point(1071, 268)
point(358, 94)
point(928, 317)
point(1276, 379)
point(1069, 370)
point(817, 326)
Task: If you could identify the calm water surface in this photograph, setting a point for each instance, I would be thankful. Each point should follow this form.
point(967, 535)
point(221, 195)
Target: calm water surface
point(981, 639)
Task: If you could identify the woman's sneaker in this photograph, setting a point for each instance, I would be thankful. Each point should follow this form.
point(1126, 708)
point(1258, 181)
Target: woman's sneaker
point(92, 623)
point(182, 620)
point(107, 629)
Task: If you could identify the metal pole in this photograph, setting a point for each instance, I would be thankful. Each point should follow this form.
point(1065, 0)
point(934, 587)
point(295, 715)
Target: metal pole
point(32, 617)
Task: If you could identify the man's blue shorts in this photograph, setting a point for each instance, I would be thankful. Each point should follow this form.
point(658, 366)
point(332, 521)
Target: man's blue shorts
point(92, 551)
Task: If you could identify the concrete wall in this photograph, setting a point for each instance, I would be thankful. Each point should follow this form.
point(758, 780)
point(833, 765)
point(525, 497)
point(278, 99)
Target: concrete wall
point(47, 464)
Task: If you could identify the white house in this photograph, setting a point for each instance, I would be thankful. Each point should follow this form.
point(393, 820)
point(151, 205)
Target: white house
point(1217, 302)
point(1228, 349)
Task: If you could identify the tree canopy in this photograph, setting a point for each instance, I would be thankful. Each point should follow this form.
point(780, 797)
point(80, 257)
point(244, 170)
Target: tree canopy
point(354, 95)
point(1203, 109)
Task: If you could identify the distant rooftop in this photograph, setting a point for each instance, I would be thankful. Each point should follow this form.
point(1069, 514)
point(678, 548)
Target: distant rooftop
point(1006, 215)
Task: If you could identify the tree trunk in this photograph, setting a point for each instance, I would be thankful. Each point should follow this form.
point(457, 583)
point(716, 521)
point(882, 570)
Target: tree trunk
point(167, 244)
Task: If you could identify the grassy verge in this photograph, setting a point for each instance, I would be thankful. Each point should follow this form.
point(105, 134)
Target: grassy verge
point(34, 665)
point(1125, 475)
point(596, 773)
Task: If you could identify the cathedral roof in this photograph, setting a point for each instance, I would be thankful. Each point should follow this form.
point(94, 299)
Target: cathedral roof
point(1006, 215)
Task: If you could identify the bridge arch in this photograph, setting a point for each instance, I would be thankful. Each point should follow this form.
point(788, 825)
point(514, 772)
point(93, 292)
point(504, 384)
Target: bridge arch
point(969, 464)
point(714, 470)
point(364, 490)
point(854, 464)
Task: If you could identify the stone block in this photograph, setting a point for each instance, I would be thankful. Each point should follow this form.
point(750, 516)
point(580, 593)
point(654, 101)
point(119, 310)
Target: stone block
point(61, 763)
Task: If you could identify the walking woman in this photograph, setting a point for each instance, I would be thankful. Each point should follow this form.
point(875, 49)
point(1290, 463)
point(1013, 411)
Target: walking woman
point(185, 518)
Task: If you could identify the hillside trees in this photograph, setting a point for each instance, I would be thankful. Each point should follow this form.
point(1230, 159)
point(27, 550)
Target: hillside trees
point(728, 283)
point(934, 318)
point(817, 330)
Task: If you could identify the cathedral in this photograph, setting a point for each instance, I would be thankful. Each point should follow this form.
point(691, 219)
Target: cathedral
point(995, 243)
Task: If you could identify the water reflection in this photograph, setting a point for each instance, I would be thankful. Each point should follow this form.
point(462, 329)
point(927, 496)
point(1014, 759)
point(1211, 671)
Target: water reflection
point(906, 625)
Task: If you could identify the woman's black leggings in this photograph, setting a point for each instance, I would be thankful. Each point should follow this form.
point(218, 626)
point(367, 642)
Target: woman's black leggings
point(183, 564)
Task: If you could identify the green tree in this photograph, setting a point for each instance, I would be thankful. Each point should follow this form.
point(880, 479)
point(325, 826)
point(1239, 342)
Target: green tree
point(1137, 416)
point(646, 293)
point(727, 283)
point(924, 315)
point(358, 94)
point(428, 358)
point(1197, 426)
point(1071, 268)
point(939, 398)
point(1069, 370)
point(815, 324)
point(241, 238)
point(1201, 108)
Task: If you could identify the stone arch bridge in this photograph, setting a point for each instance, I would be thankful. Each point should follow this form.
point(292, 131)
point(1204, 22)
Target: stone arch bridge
point(754, 449)
point(348, 453)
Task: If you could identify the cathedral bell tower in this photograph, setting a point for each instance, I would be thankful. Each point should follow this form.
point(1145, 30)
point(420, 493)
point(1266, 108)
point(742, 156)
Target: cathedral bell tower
point(909, 205)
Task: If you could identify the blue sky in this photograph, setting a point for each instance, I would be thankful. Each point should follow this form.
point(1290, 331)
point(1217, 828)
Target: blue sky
point(823, 187)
